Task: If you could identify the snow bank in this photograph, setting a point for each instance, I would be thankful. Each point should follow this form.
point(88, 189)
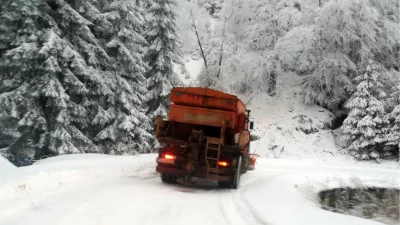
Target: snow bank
point(60, 171)
point(291, 188)
point(5, 166)
point(277, 200)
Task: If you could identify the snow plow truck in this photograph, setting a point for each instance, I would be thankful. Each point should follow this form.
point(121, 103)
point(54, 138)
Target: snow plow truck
point(206, 135)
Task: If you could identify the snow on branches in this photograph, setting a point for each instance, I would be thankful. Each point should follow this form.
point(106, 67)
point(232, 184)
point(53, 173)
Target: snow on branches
point(366, 127)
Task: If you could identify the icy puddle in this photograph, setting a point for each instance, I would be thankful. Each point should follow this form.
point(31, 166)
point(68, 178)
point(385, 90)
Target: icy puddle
point(379, 204)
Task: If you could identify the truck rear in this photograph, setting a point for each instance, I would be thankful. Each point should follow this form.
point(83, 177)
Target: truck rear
point(206, 136)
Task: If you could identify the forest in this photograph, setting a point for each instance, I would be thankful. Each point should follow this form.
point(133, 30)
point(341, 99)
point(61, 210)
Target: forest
point(90, 76)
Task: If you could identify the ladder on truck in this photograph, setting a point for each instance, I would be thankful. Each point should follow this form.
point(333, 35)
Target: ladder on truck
point(213, 152)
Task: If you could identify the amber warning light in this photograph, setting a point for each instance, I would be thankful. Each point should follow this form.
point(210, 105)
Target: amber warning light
point(169, 156)
point(223, 163)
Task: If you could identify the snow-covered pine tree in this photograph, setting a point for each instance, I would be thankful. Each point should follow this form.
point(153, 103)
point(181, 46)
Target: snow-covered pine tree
point(74, 55)
point(394, 135)
point(162, 54)
point(20, 65)
point(126, 128)
point(366, 124)
point(49, 88)
point(14, 102)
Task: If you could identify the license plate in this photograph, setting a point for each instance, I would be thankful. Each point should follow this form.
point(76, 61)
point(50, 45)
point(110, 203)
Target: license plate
point(162, 160)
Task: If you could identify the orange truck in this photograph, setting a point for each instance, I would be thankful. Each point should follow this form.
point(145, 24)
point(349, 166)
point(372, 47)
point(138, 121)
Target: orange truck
point(207, 136)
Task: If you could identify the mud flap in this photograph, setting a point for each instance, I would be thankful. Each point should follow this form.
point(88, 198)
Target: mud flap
point(253, 160)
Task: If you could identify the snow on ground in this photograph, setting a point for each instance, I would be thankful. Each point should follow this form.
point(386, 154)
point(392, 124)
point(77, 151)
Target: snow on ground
point(194, 67)
point(5, 166)
point(189, 72)
point(295, 185)
point(101, 189)
point(56, 172)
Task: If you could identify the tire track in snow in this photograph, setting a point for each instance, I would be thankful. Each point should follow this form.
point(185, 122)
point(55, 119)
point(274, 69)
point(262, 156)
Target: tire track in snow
point(250, 210)
point(236, 209)
point(233, 213)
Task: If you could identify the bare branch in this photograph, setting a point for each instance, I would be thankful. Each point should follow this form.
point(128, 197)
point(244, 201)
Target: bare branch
point(233, 10)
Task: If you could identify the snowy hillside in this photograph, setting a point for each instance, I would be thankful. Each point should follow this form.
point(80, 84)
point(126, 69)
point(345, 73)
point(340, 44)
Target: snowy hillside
point(288, 127)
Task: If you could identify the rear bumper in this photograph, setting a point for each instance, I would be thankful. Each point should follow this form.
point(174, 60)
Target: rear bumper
point(179, 172)
point(168, 170)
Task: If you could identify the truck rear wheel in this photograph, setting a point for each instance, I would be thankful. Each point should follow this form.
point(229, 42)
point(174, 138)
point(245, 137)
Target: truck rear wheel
point(168, 178)
point(236, 181)
point(224, 184)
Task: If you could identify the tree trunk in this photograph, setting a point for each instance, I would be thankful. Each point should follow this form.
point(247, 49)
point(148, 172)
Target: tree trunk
point(198, 40)
point(221, 51)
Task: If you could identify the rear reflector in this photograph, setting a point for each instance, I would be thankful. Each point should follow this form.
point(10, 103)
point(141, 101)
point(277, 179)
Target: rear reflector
point(223, 163)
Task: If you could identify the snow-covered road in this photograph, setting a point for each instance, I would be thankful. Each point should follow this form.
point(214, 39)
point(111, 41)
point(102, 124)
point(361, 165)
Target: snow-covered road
point(93, 189)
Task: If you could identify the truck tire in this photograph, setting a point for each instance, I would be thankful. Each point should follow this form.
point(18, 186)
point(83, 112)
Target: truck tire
point(236, 181)
point(172, 179)
point(164, 178)
point(168, 178)
point(224, 184)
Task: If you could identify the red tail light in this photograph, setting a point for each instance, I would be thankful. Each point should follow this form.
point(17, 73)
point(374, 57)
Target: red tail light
point(223, 163)
point(169, 156)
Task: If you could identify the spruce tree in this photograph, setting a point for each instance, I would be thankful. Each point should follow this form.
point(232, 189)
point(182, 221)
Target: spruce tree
point(49, 86)
point(163, 52)
point(18, 56)
point(127, 131)
point(73, 46)
point(72, 77)
point(366, 125)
